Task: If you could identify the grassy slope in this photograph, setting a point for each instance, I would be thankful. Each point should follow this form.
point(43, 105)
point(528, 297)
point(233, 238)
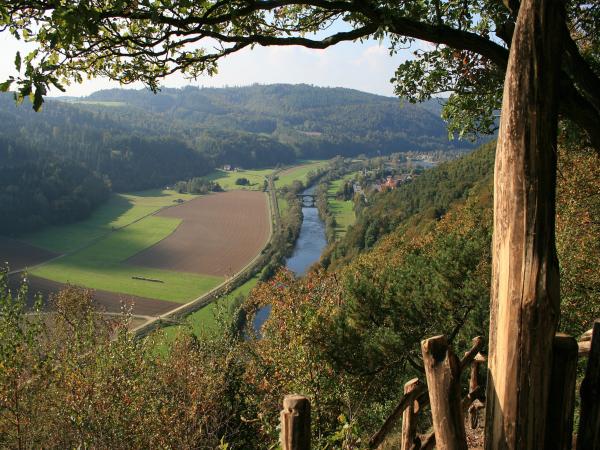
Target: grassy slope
point(107, 104)
point(283, 206)
point(101, 265)
point(287, 177)
point(205, 318)
point(341, 210)
point(119, 211)
point(227, 179)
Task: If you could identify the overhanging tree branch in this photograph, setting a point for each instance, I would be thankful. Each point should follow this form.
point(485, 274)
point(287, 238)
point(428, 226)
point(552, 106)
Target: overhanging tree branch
point(146, 41)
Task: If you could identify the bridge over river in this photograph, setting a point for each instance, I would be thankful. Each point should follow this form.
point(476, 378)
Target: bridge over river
point(308, 200)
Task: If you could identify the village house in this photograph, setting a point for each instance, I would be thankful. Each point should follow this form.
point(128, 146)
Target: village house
point(392, 182)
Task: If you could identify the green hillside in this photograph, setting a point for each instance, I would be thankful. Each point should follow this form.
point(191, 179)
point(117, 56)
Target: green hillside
point(429, 196)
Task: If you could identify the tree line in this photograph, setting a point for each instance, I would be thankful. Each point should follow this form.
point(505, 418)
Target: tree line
point(37, 192)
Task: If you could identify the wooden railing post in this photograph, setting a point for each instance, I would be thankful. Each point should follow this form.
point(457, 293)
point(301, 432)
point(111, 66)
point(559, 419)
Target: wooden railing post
point(409, 416)
point(561, 399)
point(474, 376)
point(418, 389)
point(588, 437)
point(442, 368)
point(474, 388)
point(295, 423)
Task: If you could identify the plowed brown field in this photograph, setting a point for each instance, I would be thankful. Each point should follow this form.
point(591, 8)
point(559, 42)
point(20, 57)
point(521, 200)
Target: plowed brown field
point(20, 255)
point(219, 235)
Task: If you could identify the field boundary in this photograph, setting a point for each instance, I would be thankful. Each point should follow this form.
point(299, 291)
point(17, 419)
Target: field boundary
point(205, 299)
point(95, 240)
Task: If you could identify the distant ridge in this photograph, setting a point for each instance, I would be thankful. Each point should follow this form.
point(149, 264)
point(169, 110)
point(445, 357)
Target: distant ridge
point(140, 140)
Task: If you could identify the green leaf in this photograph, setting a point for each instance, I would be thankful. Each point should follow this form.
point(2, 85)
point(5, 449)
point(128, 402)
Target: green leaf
point(18, 61)
point(38, 98)
point(18, 98)
point(25, 90)
point(5, 86)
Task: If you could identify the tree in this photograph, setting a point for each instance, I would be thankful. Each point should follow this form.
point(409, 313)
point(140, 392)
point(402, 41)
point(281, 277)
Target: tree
point(525, 294)
point(143, 40)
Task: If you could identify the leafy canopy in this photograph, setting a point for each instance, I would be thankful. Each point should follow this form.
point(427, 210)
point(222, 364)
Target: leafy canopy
point(146, 40)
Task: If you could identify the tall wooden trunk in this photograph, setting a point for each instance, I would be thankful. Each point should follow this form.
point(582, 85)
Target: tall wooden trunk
point(525, 279)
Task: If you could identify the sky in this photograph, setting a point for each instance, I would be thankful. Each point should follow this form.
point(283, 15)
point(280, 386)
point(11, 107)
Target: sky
point(365, 66)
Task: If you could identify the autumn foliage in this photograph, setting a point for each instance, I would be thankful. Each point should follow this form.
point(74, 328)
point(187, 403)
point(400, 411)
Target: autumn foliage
point(348, 338)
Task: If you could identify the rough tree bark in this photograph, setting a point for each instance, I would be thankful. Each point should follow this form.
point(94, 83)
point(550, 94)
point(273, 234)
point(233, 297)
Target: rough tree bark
point(525, 279)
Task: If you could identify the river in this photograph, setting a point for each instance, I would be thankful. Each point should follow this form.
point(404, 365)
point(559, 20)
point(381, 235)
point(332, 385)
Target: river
point(310, 244)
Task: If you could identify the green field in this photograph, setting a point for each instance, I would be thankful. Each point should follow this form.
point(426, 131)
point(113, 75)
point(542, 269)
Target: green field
point(257, 177)
point(287, 177)
point(120, 210)
point(227, 179)
point(205, 319)
point(101, 265)
point(341, 210)
point(283, 206)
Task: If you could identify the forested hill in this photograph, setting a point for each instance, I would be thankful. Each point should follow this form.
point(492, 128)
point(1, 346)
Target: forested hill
point(133, 155)
point(416, 206)
point(313, 122)
point(140, 139)
point(40, 189)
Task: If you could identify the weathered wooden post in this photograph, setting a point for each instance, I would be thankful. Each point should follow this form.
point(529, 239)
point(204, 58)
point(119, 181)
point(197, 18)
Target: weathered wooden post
point(295, 423)
point(442, 368)
point(525, 302)
point(474, 375)
point(585, 343)
point(588, 437)
point(409, 416)
point(474, 388)
point(561, 400)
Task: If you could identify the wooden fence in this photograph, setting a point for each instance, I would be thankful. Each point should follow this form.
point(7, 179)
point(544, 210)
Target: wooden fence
point(442, 392)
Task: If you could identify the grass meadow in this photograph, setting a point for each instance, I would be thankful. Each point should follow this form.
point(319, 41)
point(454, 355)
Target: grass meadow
point(340, 209)
point(205, 319)
point(227, 179)
point(257, 177)
point(283, 206)
point(102, 265)
point(287, 177)
point(120, 211)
